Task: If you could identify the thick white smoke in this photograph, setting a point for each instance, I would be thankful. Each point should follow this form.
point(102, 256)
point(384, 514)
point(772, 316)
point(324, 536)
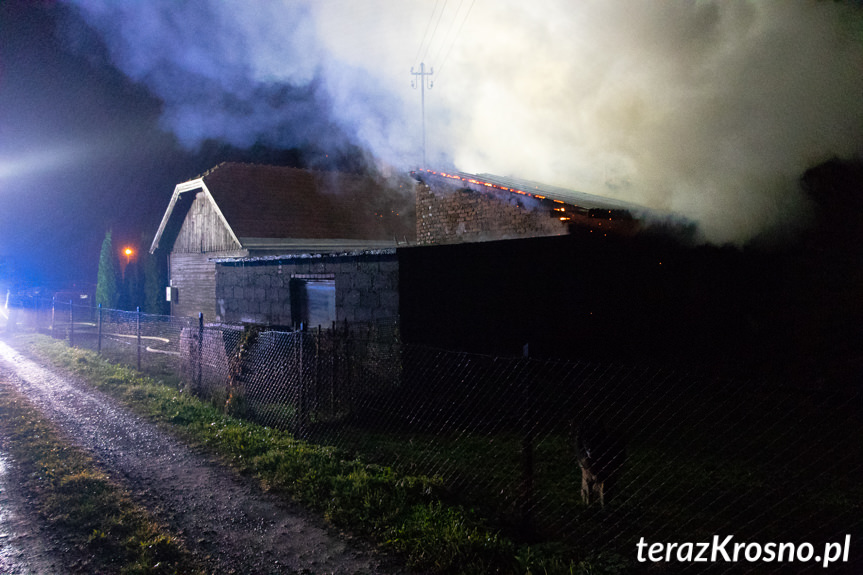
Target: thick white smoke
point(711, 109)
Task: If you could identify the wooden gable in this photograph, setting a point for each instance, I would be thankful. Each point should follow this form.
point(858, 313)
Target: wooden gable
point(203, 229)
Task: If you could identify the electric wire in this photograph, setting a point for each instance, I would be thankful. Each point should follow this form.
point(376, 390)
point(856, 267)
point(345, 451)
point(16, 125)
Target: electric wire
point(425, 35)
point(450, 30)
point(434, 32)
point(455, 38)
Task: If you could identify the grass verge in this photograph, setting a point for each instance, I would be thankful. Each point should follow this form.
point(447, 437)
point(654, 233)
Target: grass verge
point(94, 516)
point(409, 515)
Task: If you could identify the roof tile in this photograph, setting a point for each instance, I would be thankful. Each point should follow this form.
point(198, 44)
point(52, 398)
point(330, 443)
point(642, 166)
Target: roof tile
point(264, 201)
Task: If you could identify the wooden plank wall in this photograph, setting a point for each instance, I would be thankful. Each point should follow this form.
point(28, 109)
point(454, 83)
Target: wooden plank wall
point(203, 230)
point(195, 280)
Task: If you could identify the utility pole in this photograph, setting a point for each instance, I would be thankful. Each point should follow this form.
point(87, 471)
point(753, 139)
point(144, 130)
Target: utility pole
point(422, 82)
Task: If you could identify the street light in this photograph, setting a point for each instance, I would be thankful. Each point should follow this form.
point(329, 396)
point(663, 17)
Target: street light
point(129, 253)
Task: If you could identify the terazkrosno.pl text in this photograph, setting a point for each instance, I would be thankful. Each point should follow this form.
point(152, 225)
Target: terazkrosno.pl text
point(728, 551)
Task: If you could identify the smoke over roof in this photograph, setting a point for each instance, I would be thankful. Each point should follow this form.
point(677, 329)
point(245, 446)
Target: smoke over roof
point(709, 109)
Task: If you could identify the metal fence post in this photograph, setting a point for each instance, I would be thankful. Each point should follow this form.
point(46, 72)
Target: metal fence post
point(527, 452)
point(71, 325)
point(316, 392)
point(302, 411)
point(349, 368)
point(138, 333)
point(99, 331)
point(200, 354)
point(334, 366)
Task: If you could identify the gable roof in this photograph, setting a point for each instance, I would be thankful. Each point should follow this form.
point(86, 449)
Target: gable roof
point(263, 205)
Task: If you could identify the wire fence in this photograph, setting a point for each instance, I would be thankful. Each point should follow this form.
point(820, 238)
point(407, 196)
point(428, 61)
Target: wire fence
point(592, 456)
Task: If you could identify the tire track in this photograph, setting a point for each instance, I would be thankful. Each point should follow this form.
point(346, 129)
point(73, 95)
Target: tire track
point(225, 520)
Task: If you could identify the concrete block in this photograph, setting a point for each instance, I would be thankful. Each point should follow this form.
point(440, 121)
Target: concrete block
point(362, 281)
point(370, 300)
point(389, 303)
point(352, 297)
point(360, 314)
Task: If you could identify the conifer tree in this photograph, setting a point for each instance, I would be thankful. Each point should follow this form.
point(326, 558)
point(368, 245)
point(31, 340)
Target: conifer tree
point(106, 286)
point(154, 285)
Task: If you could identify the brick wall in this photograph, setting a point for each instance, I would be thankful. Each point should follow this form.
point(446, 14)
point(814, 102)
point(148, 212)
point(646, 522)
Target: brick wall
point(455, 216)
point(366, 286)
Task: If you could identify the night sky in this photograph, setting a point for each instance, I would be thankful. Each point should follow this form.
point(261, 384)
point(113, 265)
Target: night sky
point(81, 149)
point(708, 109)
point(84, 149)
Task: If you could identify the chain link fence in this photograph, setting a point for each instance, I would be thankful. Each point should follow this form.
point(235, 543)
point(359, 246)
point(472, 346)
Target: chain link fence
point(694, 455)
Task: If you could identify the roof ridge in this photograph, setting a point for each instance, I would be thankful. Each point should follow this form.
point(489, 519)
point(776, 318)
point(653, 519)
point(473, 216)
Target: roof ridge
point(211, 170)
point(327, 172)
point(262, 165)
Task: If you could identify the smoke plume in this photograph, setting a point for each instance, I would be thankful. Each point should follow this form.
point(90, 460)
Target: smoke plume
point(710, 109)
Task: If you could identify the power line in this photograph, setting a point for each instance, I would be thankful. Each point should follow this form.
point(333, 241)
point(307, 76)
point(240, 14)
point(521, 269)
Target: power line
point(422, 82)
point(434, 33)
point(423, 77)
point(425, 35)
point(449, 32)
point(446, 57)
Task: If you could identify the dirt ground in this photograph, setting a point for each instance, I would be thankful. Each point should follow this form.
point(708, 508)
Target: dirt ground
point(26, 548)
point(225, 519)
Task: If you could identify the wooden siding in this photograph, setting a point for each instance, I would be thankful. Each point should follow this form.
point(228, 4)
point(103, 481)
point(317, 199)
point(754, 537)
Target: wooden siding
point(195, 280)
point(203, 230)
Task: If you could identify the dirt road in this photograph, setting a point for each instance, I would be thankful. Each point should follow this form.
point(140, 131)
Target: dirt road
point(24, 548)
point(224, 519)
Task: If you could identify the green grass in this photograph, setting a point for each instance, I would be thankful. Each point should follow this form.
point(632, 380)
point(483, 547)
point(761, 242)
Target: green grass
point(448, 501)
point(674, 490)
point(94, 516)
point(410, 515)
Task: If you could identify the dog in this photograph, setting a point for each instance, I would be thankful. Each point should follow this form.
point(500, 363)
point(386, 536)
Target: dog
point(601, 455)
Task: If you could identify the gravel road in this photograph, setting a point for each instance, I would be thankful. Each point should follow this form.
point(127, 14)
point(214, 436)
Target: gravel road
point(225, 519)
point(25, 549)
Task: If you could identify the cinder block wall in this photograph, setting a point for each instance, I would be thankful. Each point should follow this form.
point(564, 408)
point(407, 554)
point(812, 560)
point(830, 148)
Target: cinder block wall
point(446, 217)
point(367, 287)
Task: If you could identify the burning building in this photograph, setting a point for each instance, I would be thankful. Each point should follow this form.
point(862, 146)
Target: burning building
point(500, 263)
point(459, 207)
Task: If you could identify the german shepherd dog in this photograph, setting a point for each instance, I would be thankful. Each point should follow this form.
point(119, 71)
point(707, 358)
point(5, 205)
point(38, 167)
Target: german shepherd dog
point(601, 455)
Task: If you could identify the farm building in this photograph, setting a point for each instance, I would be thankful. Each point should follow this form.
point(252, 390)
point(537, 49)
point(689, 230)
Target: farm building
point(497, 265)
point(488, 265)
point(459, 207)
point(225, 230)
point(248, 211)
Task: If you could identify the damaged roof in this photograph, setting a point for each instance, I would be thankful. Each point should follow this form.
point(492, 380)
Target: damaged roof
point(262, 205)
